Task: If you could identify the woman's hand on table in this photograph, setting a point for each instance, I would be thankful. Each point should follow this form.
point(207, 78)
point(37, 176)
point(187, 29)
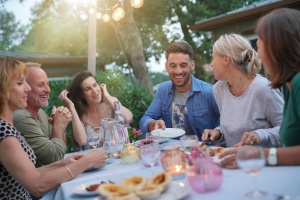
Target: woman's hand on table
point(71, 159)
point(249, 138)
point(97, 158)
point(212, 134)
point(227, 158)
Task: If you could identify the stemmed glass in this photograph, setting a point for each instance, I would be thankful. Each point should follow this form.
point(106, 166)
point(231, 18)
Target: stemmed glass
point(154, 135)
point(93, 138)
point(252, 159)
point(150, 153)
point(187, 141)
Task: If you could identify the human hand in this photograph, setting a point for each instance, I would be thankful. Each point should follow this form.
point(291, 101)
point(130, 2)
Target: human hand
point(97, 158)
point(60, 119)
point(228, 158)
point(212, 134)
point(65, 99)
point(156, 124)
point(249, 138)
point(71, 159)
point(50, 119)
point(104, 91)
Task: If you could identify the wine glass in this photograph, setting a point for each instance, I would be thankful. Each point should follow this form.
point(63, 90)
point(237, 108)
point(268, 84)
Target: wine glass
point(154, 135)
point(252, 159)
point(93, 138)
point(188, 141)
point(150, 153)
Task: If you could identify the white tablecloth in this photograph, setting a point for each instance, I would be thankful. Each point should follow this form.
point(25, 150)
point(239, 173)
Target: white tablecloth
point(274, 180)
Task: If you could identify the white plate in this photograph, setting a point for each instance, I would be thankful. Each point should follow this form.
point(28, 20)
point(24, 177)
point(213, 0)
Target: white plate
point(81, 190)
point(176, 190)
point(169, 132)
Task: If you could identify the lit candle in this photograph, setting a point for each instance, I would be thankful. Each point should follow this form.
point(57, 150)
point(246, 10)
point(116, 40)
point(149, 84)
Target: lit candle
point(178, 172)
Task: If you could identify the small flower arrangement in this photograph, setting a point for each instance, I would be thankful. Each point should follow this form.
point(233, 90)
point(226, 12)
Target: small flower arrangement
point(146, 141)
point(134, 135)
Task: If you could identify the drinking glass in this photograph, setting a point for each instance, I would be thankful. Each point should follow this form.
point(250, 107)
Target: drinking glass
point(110, 148)
point(93, 138)
point(150, 153)
point(252, 159)
point(187, 141)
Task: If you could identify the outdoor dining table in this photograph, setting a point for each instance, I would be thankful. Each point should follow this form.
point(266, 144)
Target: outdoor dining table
point(280, 182)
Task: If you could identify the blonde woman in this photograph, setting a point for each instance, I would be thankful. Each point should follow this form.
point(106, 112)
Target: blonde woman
point(250, 110)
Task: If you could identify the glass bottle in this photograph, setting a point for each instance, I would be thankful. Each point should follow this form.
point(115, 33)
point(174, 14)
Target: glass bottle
point(119, 117)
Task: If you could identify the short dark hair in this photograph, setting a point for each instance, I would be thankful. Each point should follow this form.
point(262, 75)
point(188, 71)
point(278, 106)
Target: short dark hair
point(280, 32)
point(180, 47)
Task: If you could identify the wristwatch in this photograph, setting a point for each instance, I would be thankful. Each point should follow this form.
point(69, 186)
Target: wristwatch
point(272, 157)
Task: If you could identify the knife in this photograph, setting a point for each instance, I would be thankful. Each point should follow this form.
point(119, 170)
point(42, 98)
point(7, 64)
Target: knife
point(207, 141)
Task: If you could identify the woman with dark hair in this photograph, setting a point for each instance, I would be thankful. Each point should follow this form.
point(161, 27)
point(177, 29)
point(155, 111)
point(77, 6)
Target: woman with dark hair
point(18, 175)
point(279, 49)
point(92, 102)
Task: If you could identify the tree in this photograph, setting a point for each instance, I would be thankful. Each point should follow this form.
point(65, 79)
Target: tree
point(129, 43)
point(10, 30)
point(63, 31)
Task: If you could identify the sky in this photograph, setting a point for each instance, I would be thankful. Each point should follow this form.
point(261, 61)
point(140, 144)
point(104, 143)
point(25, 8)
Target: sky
point(23, 13)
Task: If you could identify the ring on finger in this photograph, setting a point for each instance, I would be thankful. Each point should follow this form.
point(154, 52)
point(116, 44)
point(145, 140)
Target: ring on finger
point(251, 142)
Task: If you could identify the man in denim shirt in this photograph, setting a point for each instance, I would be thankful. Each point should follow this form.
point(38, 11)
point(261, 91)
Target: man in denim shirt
point(183, 102)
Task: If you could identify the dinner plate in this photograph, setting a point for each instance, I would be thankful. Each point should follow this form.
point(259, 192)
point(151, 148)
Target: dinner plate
point(80, 190)
point(169, 132)
point(176, 190)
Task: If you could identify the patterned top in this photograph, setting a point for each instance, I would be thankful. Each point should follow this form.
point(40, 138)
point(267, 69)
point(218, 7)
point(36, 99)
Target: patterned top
point(9, 187)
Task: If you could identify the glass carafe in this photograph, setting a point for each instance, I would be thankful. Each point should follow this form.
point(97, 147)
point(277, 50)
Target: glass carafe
point(114, 133)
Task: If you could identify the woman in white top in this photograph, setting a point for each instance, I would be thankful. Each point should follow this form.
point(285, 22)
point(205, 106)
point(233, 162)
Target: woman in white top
point(90, 102)
point(250, 110)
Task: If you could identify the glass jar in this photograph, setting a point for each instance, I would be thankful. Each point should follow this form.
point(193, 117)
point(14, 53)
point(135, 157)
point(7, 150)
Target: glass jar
point(173, 162)
point(130, 153)
point(203, 174)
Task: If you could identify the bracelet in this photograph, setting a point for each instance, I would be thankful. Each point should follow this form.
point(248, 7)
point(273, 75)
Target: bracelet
point(70, 172)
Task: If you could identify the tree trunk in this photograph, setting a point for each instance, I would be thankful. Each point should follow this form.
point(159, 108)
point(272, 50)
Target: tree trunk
point(132, 44)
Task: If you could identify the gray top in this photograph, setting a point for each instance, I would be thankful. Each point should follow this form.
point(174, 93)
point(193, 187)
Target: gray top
point(258, 110)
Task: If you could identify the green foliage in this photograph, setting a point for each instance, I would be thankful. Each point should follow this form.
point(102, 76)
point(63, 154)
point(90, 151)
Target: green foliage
point(56, 88)
point(129, 93)
point(11, 31)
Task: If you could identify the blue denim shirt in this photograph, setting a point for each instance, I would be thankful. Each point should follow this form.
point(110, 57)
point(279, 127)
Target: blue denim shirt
point(203, 112)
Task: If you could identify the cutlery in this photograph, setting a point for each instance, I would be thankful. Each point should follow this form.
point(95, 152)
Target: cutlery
point(207, 141)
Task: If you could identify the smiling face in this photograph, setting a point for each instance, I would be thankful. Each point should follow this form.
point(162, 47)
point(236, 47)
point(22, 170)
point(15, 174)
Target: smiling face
point(91, 90)
point(180, 66)
point(40, 90)
point(18, 93)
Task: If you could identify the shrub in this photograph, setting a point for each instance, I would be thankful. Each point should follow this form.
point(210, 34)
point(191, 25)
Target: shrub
point(130, 94)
